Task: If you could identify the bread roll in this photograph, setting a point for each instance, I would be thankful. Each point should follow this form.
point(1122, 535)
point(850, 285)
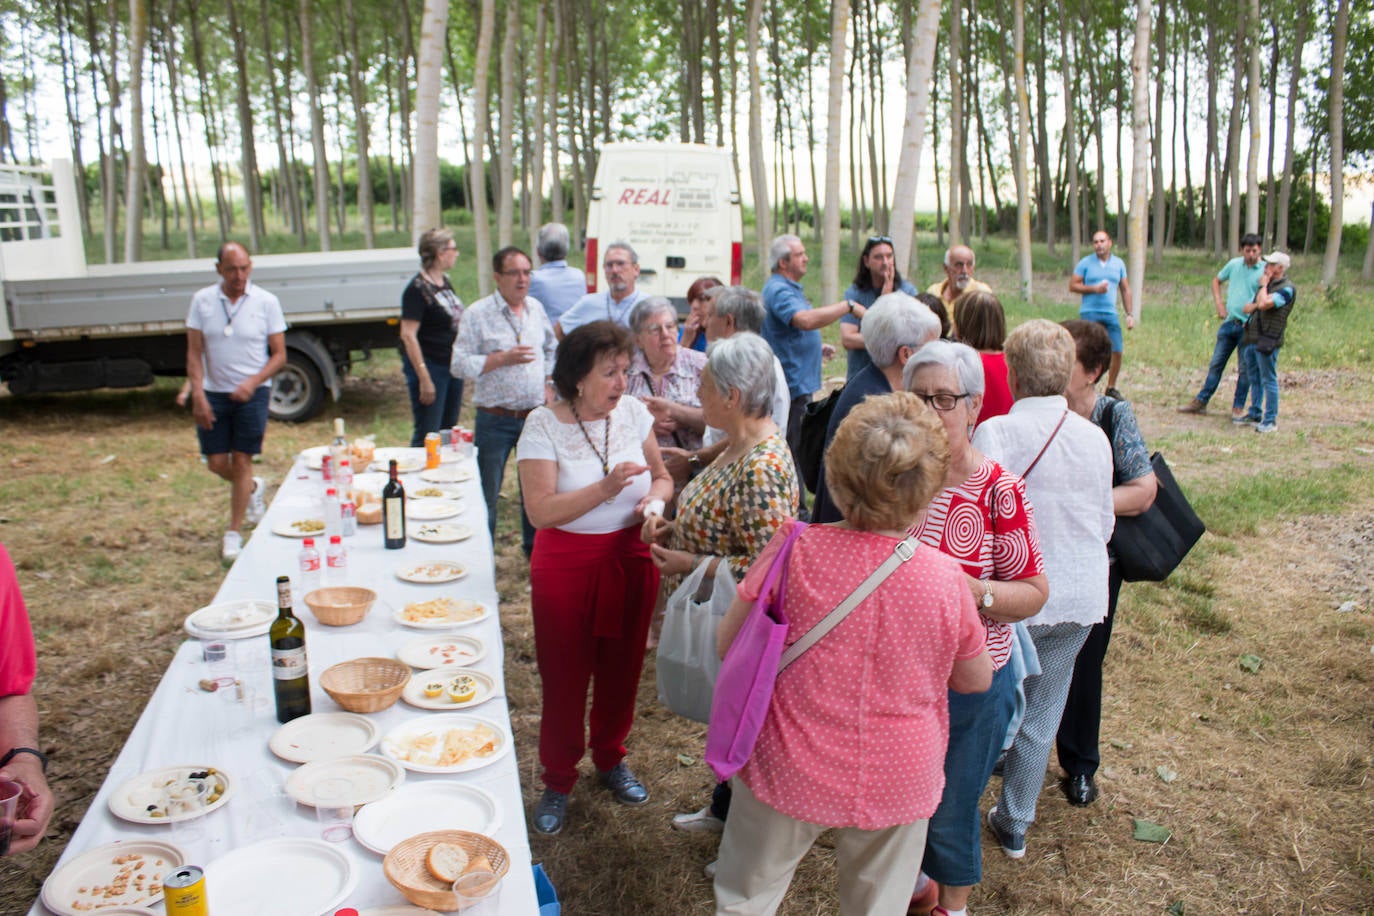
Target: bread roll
point(370, 514)
point(446, 861)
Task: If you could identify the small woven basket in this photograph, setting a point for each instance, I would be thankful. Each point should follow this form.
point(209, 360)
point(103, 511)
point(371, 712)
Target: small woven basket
point(340, 605)
point(405, 866)
point(366, 684)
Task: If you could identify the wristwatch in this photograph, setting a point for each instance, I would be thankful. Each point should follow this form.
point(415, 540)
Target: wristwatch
point(987, 595)
point(850, 303)
point(694, 461)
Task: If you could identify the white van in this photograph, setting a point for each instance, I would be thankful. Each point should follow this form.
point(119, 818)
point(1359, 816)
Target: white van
point(678, 205)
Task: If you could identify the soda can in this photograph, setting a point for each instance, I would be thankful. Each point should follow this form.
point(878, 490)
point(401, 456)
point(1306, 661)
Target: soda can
point(327, 466)
point(431, 450)
point(455, 439)
point(183, 892)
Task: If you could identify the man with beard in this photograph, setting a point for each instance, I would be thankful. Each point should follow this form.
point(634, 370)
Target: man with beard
point(958, 276)
point(622, 269)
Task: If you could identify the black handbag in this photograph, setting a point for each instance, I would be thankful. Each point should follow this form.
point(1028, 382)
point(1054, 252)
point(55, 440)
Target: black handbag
point(1151, 545)
point(811, 445)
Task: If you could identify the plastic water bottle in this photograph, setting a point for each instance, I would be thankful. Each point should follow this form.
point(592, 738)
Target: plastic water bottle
point(337, 558)
point(343, 477)
point(332, 512)
point(348, 517)
point(311, 575)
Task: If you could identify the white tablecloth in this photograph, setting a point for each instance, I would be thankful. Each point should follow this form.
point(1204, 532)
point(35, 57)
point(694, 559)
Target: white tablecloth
point(184, 725)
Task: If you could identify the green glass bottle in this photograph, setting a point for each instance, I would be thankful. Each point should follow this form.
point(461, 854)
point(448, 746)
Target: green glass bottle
point(290, 672)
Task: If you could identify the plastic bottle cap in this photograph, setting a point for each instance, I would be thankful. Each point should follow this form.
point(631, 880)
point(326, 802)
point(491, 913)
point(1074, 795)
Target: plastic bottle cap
point(335, 539)
point(331, 492)
point(308, 542)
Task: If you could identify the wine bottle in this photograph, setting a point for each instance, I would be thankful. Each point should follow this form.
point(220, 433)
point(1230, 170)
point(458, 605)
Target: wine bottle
point(394, 511)
point(338, 449)
point(290, 673)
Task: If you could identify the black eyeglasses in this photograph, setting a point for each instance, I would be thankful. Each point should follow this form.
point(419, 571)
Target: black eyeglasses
point(943, 401)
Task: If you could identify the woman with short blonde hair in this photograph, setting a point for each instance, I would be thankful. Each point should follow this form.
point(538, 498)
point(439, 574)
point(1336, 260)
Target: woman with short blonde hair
point(1041, 354)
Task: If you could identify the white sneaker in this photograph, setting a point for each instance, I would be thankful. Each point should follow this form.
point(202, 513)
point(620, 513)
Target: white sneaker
point(257, 506)
point(233, 545)
point(702, 821)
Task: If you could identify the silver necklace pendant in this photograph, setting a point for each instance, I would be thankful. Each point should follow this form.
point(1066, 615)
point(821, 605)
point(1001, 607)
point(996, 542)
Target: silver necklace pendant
point(228, 330)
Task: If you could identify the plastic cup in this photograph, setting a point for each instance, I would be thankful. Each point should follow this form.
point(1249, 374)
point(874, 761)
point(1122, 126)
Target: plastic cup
point(10, 793)
point(478, 893)
point(185, 805)
point(333, 800)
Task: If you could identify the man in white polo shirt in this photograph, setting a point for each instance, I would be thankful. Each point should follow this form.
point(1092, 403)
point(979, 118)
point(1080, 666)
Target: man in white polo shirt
point(235, 343)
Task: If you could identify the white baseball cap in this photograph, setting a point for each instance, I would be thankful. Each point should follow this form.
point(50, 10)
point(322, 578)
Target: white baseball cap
point(1278, 257)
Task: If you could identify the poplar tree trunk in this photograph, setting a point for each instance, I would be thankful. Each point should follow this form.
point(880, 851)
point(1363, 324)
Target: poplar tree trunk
point(1336, 130)
point(1140, 143)
point(758, 172)
point(1256, 120)
point(357, 90)
point(505, 165)
point(830, 236)
point(321, 169)
point(136, 173)
point(486, 29)
point(429, 82)
point(919, 64)
point(1023, 227)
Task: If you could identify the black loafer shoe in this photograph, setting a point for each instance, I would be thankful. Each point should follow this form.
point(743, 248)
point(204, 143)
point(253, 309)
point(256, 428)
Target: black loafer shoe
point(628, 790)
point(1080, 790)
point(550, 812)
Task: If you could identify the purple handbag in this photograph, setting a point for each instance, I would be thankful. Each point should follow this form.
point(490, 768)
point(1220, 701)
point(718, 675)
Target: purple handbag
point(744, 687)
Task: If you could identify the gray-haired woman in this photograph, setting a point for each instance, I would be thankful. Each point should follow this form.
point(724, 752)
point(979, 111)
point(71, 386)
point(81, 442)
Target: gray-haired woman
point(430, 311)
point(730, 511)
point(665, 376)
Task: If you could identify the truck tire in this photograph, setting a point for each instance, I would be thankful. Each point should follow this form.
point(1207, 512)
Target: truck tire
point(297, 390)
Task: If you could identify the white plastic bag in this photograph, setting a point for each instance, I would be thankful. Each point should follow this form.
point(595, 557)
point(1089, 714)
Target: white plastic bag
point(687, 659)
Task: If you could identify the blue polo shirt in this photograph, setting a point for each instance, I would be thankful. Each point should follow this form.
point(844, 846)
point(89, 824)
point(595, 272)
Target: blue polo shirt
point(1093, 270)
point(799, 351)
point(1242, 284)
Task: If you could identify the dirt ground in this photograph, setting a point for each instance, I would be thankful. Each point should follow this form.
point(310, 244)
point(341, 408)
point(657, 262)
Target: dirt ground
point(1262, 778)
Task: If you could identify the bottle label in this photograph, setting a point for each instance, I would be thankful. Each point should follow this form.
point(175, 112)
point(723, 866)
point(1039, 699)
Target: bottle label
point(284, 593)
point(310, 564)
point(289, 664)
point(395, 521)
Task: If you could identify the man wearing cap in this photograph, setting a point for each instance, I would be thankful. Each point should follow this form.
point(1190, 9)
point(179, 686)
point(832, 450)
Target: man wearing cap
point(1242, 278)
point(1263, 336)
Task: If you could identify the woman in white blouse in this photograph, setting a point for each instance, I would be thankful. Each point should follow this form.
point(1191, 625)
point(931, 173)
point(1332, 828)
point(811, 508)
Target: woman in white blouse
point(589, 471)
point(1066, 464)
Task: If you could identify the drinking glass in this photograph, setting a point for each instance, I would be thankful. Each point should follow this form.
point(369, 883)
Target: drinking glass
point(334, 808)
point(478, 893)
point(10, 793)
point(184, 802)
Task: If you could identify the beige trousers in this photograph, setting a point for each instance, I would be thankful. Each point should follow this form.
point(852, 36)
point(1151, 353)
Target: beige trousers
point(762, 847)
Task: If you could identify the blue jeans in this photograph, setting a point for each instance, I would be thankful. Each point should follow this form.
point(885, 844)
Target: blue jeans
point(495, 438)
point(1264, 376)
point(977, 725)
point(448, 398)
point(1228, 339)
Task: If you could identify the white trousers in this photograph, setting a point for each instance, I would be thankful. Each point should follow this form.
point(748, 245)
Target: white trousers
point(762, 848)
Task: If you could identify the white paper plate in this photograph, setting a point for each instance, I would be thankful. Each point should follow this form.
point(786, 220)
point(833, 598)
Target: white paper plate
point(441, 624)
point(449, 474)
point(320, 878)
point(435, 573)
point(95, 868)
point(442, 652)
point(131, 800)
point(372, 775)
point(324, 735)
point(414, 692)
point(313, 456)
point(433, 491)
point(371, 482)
point(395, 743)
point(195, 631)
point(288, 527)
point(233, 616)
point(441, 532)
point(422, 807)
point(407, 460)
point(428, 510)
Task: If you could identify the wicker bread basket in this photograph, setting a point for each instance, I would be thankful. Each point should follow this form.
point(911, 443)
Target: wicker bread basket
point(366, 684)
point(340, 605)
point(405, 866)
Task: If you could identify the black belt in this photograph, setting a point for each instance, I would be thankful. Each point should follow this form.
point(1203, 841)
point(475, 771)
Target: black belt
point(503, 412)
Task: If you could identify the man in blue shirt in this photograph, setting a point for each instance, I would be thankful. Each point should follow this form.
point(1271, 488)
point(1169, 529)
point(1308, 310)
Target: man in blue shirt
point(556, 285)
point(792, 327)
point(1242, 276)
point(622, 270)
point(1097, 278)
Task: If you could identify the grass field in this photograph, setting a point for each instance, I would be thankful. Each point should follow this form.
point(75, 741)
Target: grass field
point(1263, 778)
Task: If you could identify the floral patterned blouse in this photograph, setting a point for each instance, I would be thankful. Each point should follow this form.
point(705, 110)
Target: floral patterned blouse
point(679, 385)
point(732, 510)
